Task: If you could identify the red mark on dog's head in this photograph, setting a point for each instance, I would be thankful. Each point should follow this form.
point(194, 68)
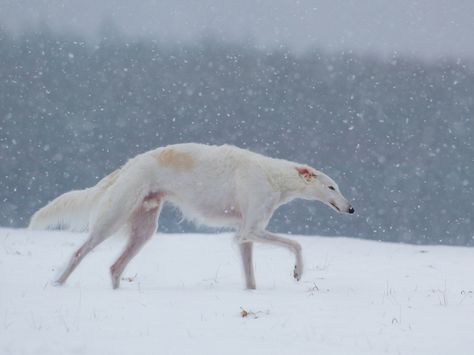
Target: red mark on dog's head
point(306, 173)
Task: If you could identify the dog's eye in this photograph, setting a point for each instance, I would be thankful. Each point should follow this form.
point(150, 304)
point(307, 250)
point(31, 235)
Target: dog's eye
point(331, 188)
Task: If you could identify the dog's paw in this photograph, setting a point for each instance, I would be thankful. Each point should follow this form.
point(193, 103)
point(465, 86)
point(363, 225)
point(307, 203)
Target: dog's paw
point(59, 281)
point(297, 272)
point(115, 280)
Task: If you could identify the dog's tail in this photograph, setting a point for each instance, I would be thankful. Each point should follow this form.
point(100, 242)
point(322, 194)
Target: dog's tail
point(72, 209)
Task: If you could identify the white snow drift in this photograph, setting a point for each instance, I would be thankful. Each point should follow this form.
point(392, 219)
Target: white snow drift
point(183, 295)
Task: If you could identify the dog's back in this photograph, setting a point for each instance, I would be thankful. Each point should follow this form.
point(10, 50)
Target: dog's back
point(202, 180)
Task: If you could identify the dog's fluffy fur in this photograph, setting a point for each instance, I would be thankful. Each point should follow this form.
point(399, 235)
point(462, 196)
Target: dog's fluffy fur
point(222, 186)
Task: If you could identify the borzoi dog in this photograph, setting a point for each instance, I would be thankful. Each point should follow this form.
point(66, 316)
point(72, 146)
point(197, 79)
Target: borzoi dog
point(219, 186)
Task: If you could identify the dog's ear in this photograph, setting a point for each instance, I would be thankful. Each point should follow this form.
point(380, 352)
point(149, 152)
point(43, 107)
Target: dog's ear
point(306, 174)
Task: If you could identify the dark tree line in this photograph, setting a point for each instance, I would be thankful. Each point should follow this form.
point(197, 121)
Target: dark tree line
point(396, 134)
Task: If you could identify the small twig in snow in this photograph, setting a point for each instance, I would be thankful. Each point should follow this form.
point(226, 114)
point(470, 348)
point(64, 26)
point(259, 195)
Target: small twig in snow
point(313, 289)
point(244, 313)
point(465, 294)
point(130, 278)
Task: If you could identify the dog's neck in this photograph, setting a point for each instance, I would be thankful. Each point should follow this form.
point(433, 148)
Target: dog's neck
point(284, 179)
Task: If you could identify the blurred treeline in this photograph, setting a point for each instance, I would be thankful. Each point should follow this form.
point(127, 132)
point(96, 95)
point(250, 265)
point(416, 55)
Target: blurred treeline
point(396, 133)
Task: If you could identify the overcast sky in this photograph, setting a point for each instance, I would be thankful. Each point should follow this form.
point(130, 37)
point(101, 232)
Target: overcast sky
point(425, 28)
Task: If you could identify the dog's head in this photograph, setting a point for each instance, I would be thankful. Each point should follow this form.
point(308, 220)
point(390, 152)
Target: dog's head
point(318, 186)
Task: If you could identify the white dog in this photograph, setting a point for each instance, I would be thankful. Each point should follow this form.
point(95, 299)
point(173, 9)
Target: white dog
point(221, 186)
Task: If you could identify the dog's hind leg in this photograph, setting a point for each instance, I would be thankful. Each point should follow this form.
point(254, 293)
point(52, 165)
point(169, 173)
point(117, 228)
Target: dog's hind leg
point(106, 224)
point(142, 224)
point(95, 239)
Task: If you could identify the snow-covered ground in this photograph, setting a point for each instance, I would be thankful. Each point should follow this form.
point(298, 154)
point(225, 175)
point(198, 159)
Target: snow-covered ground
point(183, 294)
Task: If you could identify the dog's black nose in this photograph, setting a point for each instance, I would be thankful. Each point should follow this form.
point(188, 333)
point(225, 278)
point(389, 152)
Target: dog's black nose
point(350, 210)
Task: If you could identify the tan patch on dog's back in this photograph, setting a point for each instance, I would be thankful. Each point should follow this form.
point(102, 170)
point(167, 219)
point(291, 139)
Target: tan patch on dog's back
point(171, 158)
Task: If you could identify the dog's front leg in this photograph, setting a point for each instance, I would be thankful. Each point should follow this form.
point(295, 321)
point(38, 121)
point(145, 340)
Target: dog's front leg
point(293, 246)
point(257, 201)
point(246, 251)
point(245, 239)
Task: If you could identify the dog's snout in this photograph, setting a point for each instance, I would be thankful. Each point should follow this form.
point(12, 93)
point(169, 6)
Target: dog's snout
point(350, 210)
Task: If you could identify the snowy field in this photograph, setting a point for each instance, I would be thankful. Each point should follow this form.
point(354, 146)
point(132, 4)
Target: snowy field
point(183, 294)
